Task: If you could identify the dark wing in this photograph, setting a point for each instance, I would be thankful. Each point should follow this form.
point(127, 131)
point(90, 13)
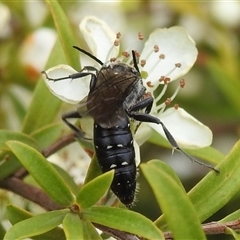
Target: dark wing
point(105, 100)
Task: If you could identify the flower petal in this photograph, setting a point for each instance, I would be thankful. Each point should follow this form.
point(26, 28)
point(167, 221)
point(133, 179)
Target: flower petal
point(175, 47)
point(99, 37)
point(143, 133)
point(68, 90)
point(137, 153)
point(187, 130)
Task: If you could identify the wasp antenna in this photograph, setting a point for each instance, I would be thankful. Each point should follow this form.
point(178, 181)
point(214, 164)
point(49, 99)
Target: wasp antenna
point(135, 61)
point(89, 54)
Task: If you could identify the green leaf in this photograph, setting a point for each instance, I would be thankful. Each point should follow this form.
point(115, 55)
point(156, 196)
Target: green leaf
point(233, 233)
point(9, 162)
point(9, 166)
point(76, 228)
point(67, 179)
point(180, 214)
point(7, 135)
point(208, 153)
point(93, 170)
point(40, 111)
point(231, 217)
point(65, 33)
point(48, 134)
point(215, 189)
point(168, 170)
point(123, 220)
point(44, 106)
point(36, 225)
point(15, 215)
point(92, 192)
point(43, 173)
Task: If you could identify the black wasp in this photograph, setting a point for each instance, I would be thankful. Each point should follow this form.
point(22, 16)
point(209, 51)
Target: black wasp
point(116, 95)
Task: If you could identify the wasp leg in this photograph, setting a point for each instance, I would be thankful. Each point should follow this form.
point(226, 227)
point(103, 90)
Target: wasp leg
point(79, 133)
point(145, 103)
point(72, 76)
point(145, 117)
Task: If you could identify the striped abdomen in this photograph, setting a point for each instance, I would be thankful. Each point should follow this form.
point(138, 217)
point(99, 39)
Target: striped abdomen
point(114, 150)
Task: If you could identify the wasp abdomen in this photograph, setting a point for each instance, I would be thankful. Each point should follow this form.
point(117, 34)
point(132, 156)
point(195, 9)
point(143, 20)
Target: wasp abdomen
point(114, 150)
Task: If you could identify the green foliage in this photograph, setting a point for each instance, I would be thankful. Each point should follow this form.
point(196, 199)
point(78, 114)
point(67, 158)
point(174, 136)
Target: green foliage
point(134, 223)
point(173, 201)
point(74, 226)
point(36, 225)
point(83, 208)
point(43, 172)
point(92, 192)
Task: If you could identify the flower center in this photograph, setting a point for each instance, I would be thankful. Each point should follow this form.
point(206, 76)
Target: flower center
point(126, 57)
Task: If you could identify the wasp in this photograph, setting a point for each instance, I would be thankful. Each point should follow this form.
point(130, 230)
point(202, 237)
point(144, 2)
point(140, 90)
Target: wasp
point(116, 95)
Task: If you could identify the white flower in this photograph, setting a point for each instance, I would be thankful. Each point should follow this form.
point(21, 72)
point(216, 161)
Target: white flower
point(167, 55)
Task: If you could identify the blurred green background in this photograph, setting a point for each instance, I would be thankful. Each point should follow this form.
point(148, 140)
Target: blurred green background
point(211, 94)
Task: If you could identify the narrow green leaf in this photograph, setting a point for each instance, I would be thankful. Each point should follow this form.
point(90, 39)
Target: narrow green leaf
point(231, 217)
point(168, 170)
point(9, 165)
point(233, 233)
point(215, 189)
point(15, 215)
point(7, 135)
point(178, 210)
point(76, 228)
point(48, 134)
point(65, 33)
point(123, 220)
point(93, 170)
point(9, 162)
point(36, 225)
point(73, 226)
point(89, 231)
point(67, 179)
point(44, 106)
point(41, 112)
point(43, 173)
point(92, 192)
